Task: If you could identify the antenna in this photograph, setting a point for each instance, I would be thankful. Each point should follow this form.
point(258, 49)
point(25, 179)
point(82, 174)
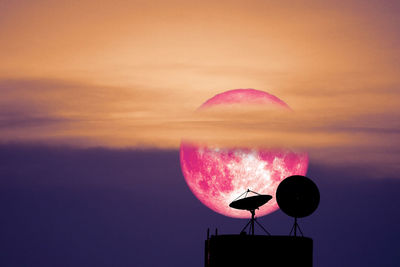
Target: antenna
point(251, 204)
point(298, 197)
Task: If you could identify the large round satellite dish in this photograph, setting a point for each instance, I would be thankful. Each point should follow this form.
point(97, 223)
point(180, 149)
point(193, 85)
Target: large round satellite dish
point(297, 196)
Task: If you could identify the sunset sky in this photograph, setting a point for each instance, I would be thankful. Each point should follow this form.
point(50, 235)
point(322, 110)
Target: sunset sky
point(130, 75)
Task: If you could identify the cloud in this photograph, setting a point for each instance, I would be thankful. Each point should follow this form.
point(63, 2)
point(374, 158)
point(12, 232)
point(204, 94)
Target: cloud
point(362, 130)
point(135, 78)
point(51, 109)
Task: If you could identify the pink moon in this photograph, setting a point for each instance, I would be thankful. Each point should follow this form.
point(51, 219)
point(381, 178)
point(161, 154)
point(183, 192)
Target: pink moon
point(218, 175)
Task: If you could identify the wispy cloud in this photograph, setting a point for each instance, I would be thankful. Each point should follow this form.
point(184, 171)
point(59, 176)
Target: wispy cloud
point(54, 111)
point(132, 75)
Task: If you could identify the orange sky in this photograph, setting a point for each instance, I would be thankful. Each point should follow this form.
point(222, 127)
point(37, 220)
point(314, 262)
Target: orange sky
point(129, 73)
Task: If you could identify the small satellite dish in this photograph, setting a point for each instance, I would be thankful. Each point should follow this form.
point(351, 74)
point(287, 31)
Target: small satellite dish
point(251, 204)
point(298, 197)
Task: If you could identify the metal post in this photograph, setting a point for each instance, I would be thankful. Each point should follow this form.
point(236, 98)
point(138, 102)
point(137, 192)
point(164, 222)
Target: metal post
point(207, 250)
point(253, 213)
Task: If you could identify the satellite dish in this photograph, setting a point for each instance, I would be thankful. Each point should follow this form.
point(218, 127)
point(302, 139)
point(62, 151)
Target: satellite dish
point(298, 197)
point(251, 204)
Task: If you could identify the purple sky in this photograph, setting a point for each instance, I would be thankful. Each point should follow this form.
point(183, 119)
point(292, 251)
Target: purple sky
point(65, 206)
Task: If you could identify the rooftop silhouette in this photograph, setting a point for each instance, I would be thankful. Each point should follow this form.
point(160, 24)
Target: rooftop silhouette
point(297, 196)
